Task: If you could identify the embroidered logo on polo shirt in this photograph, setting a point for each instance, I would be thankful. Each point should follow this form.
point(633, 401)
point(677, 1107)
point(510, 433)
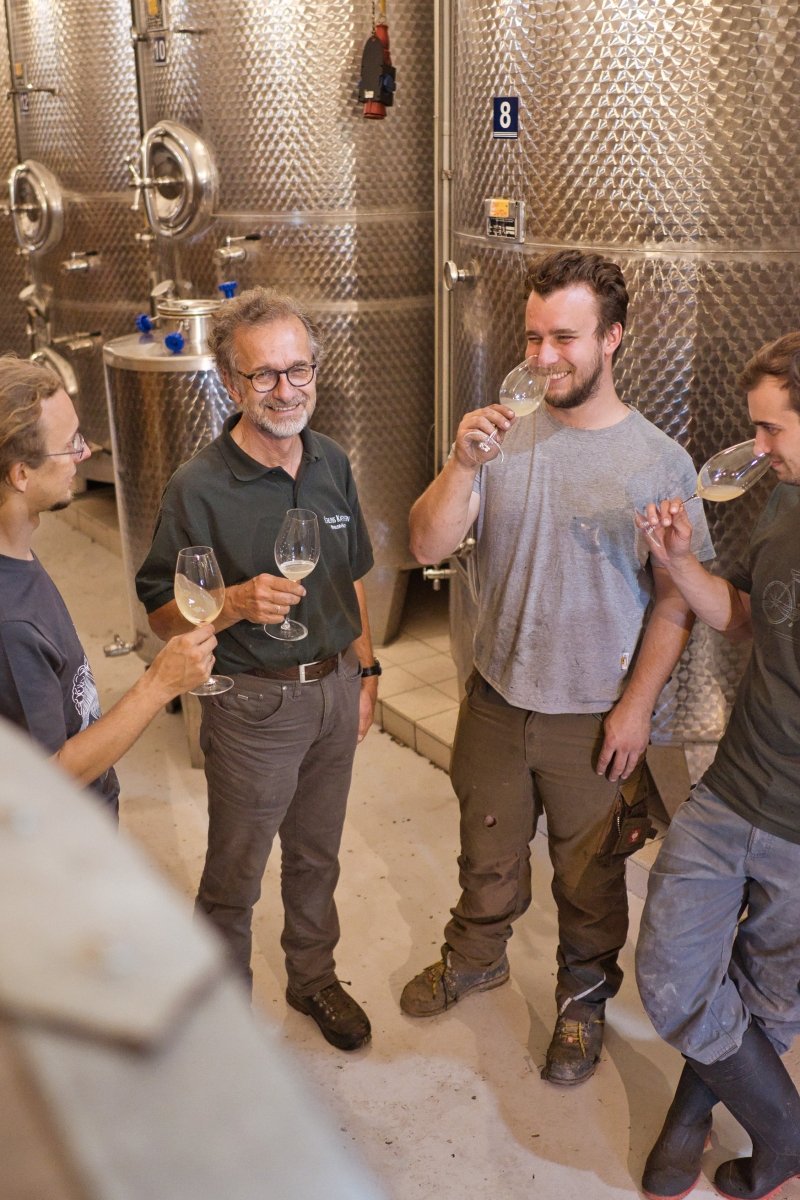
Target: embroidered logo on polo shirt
point(340, 521)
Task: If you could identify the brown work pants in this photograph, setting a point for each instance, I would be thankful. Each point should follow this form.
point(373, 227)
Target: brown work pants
point(509, 766)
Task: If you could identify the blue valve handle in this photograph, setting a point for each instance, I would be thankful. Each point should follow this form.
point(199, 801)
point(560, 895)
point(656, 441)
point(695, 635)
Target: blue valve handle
point(144, 323)
point(228, 289)
point(175, 342)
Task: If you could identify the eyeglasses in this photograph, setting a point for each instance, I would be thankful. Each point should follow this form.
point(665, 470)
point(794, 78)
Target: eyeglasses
point(76, 450)
point(266, 379)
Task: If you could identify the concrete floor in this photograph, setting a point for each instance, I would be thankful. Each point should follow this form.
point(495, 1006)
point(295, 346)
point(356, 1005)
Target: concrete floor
point(449, 1106)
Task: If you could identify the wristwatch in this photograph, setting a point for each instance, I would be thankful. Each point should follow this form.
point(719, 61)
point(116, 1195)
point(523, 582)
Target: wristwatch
point(375, 669)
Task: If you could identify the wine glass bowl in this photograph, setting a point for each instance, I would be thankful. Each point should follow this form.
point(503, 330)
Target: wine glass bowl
point(523, 390)
point(297, 548)
point(200, 595)
point(731, 472)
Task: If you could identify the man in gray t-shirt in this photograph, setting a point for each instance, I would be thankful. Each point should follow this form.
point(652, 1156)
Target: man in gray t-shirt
point(557, 713)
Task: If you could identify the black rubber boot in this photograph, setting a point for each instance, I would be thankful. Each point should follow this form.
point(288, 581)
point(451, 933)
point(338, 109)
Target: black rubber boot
point(673, 1165)
point(756, 1087)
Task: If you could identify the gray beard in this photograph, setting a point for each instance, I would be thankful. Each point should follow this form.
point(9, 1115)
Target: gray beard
point(283, 430)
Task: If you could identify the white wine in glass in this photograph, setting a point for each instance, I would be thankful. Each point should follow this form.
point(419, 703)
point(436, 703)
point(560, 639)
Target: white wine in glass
point(523, 390)
point(296, 554)
point(199, 595)
point(730, 473)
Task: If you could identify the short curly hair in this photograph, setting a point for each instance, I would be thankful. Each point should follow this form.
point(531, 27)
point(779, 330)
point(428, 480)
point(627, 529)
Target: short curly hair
point(257, 306)
point(565, 268)
point(23, 387)
point(780, 359)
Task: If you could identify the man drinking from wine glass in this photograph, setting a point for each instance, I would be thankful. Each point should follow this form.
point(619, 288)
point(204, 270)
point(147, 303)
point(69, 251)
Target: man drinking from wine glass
point(278, 745)
point(577, 633)
point(718, 959)
point(46, 683)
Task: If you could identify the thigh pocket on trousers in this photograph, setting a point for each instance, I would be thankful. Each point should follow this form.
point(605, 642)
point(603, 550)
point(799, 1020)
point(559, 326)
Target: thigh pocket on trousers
point(628, 826)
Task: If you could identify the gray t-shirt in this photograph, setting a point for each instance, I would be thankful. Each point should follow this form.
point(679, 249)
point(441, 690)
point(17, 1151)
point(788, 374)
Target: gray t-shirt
point(563, 574)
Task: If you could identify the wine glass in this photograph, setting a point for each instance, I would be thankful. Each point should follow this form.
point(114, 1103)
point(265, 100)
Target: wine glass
point(199, 595)
point(731, 472)
point(523, 390)
point(727, 475)
point(296, 553)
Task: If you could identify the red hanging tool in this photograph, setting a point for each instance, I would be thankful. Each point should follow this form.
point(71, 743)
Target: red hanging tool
point(377, 84)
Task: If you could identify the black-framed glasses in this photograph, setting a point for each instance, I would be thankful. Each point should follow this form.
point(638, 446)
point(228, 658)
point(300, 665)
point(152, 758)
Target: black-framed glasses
point(76, 450)
point(266, 379)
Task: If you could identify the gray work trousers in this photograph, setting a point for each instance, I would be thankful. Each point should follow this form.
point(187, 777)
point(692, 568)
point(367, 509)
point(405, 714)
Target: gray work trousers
point(719, 942)
point(279, 759)
point(510, 765)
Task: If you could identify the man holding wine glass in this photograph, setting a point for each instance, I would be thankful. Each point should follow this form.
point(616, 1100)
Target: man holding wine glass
point(576, 635)
point(718, 958)
point(46, 683)
point(276, 501)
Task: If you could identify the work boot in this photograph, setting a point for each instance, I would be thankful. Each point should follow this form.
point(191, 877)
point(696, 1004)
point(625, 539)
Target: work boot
point(441, 985)
point(341, 1020)
point(575, 1047)
point(754, 1085)
point(673, 1165)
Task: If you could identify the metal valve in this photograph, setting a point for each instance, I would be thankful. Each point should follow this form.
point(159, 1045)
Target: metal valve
point(80, 260)
point(436, 574)
point(28, 89)
point(118, 647)
point(231, 251)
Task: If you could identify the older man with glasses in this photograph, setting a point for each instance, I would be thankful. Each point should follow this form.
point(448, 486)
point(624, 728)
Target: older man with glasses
point(46, 683)
point(278, 745)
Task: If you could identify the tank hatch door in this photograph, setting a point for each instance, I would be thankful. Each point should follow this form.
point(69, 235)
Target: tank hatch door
point(37, 206)
point(179, 180)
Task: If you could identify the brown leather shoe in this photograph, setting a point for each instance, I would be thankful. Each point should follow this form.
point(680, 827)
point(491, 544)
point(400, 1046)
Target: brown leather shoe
point(341, 1020)
point(574, 1050)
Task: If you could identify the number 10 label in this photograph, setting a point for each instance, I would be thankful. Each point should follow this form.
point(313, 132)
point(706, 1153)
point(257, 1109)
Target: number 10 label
point(505, 117)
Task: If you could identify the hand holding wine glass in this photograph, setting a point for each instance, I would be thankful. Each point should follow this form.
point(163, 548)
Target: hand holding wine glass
point(523, 390)
point(297, 548)
point(727, 475)
point(200, 595)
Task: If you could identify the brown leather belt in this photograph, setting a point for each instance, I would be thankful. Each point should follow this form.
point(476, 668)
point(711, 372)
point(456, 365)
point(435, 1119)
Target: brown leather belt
point(302, 673)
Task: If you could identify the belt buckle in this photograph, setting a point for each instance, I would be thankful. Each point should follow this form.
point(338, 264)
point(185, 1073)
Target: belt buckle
point(302, 671)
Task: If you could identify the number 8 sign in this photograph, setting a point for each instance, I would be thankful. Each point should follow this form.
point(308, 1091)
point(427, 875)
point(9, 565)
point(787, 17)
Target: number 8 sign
point(505, 117)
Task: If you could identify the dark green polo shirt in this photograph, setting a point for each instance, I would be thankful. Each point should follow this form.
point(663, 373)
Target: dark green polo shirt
point(225, 499)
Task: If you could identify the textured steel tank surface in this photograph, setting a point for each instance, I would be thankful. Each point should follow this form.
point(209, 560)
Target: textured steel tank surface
point(663, 136)
point(163, 408)
point(76, 115)
point(342, 208)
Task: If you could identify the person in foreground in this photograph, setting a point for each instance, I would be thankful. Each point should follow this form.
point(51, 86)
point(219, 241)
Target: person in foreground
point(567, 671)
point(279, 745)
point(718, 958)
point(46, 683)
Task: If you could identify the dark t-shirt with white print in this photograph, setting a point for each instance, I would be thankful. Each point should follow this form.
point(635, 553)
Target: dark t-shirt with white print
point(757, 766)
point(46, 684)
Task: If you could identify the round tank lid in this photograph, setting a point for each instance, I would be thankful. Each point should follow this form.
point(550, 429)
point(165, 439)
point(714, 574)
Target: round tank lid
point(187, 308)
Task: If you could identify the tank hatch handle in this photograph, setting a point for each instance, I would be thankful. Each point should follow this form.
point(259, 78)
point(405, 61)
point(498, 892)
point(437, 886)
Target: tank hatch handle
point(453, 274)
